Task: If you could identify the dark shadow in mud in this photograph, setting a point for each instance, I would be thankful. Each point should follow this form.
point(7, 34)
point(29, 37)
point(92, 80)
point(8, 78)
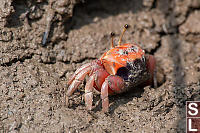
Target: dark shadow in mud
point(118, 100)
point(178, 76)
point(178, 70)
point(14, 19)
point(114, 101)
point(22, 9)
point(124, 98)
point(85, 13)
point(175, 52)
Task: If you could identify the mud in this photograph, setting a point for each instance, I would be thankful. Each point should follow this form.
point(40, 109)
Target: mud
point(33, 76)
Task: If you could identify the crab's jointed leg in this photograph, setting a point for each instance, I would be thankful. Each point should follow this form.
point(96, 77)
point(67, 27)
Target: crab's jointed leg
point(104, 96)
point(77, 72)
point(89, 92)
point(112, 85)
point(77, 81)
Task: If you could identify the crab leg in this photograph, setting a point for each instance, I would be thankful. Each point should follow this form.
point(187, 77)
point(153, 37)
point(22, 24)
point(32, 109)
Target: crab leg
point(77, 80)
point(104, 96)
point(77, 72)
point(151, 64)
point(88, 92)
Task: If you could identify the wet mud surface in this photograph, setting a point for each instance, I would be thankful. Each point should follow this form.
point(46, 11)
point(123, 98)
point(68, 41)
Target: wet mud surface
point(33, 76)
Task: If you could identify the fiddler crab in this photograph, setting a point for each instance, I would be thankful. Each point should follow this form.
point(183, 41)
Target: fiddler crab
point(122, 68)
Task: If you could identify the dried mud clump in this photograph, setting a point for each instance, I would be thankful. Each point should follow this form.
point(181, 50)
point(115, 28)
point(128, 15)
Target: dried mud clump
point(6, 9)
point(191, 28)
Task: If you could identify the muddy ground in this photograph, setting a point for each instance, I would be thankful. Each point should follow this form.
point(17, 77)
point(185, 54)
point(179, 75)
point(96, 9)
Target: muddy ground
point(33, 75)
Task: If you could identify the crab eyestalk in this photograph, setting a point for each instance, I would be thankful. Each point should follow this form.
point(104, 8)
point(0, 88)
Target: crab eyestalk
point(112, 34)
point(126, 26)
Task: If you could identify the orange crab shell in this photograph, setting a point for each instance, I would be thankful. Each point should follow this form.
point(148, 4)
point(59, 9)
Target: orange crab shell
point(118, 57)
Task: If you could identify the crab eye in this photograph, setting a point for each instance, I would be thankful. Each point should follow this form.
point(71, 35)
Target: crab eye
point(123, 72)
point(143, 58)
point(134, 48)
point(125, 52)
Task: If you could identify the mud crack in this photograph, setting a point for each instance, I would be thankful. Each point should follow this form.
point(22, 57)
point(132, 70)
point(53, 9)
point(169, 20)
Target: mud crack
point(15, 60)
